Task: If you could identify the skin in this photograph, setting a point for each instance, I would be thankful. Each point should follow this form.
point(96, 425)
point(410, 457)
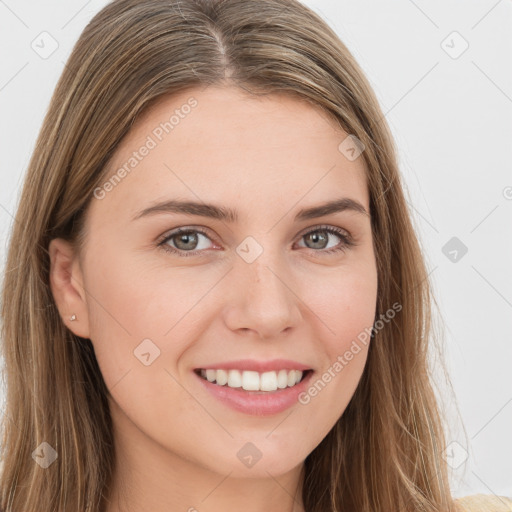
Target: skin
point(267, 158)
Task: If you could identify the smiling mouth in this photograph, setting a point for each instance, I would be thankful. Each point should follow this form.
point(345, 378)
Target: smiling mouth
point(243, 380)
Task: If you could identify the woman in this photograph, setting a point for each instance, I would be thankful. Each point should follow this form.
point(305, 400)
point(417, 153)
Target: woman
point(280, 362)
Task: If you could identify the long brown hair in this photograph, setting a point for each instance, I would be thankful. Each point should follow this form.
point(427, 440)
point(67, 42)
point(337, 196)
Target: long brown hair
point(385, 452)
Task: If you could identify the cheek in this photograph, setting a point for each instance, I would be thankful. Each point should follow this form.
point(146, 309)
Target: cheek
point(136, 309)
point(345, 306)
point(344, 302)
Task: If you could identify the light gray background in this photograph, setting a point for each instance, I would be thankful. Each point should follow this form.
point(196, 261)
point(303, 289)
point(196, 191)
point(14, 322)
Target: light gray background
point(450, 113)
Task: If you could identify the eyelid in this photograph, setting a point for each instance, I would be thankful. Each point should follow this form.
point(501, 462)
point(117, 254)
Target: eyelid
point(183, 229)
point(319, 227)
point(347, 240)
point(205, 231)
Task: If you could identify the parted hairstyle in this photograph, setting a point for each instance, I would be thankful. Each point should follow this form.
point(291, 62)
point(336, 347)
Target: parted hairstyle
point(385, 452)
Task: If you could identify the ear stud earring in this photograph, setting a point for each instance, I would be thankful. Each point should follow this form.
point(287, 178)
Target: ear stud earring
point(73, 318)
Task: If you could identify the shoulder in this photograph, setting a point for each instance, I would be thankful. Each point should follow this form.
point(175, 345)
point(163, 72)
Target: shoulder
point(484, 503)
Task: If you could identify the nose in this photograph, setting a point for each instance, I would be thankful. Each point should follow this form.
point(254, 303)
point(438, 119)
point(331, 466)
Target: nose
point(262, 299)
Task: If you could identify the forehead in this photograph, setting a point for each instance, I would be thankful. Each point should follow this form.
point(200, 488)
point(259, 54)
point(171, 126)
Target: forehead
point(224, 145)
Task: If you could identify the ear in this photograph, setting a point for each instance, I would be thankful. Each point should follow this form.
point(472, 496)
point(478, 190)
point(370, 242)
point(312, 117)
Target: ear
point(66, 283)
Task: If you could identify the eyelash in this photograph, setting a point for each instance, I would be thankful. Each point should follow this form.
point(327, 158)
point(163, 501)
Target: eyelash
point(346, 243)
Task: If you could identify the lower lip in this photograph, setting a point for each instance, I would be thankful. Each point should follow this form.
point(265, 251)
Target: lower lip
point(257, 403)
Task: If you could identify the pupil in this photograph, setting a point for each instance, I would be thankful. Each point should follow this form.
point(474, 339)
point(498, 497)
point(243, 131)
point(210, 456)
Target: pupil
point(186, 237)
point(317, 237)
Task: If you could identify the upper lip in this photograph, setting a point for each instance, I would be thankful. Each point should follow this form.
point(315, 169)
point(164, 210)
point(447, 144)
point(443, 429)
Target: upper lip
point(257, 366)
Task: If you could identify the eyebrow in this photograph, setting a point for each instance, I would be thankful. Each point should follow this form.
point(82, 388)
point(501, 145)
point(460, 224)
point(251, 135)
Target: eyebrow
point(227, 214)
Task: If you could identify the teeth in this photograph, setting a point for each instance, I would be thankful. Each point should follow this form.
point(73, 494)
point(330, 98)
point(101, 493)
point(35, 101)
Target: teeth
point(221, 377)
point(234, 379)
point(268, 381)
point(282, 379)
point(250, 381)
point(253, 381)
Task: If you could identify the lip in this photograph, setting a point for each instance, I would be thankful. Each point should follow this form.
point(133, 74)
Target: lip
point(257, 403)
point(257, 366)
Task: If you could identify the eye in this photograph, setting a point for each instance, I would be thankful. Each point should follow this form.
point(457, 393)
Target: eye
point(187, 241)
point(186, 238)
point(319, 238)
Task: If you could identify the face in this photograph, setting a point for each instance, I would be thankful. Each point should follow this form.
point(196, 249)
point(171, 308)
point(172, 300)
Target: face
point(252, 282)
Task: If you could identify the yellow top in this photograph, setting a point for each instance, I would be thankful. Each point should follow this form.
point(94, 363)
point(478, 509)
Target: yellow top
point(485, 503)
